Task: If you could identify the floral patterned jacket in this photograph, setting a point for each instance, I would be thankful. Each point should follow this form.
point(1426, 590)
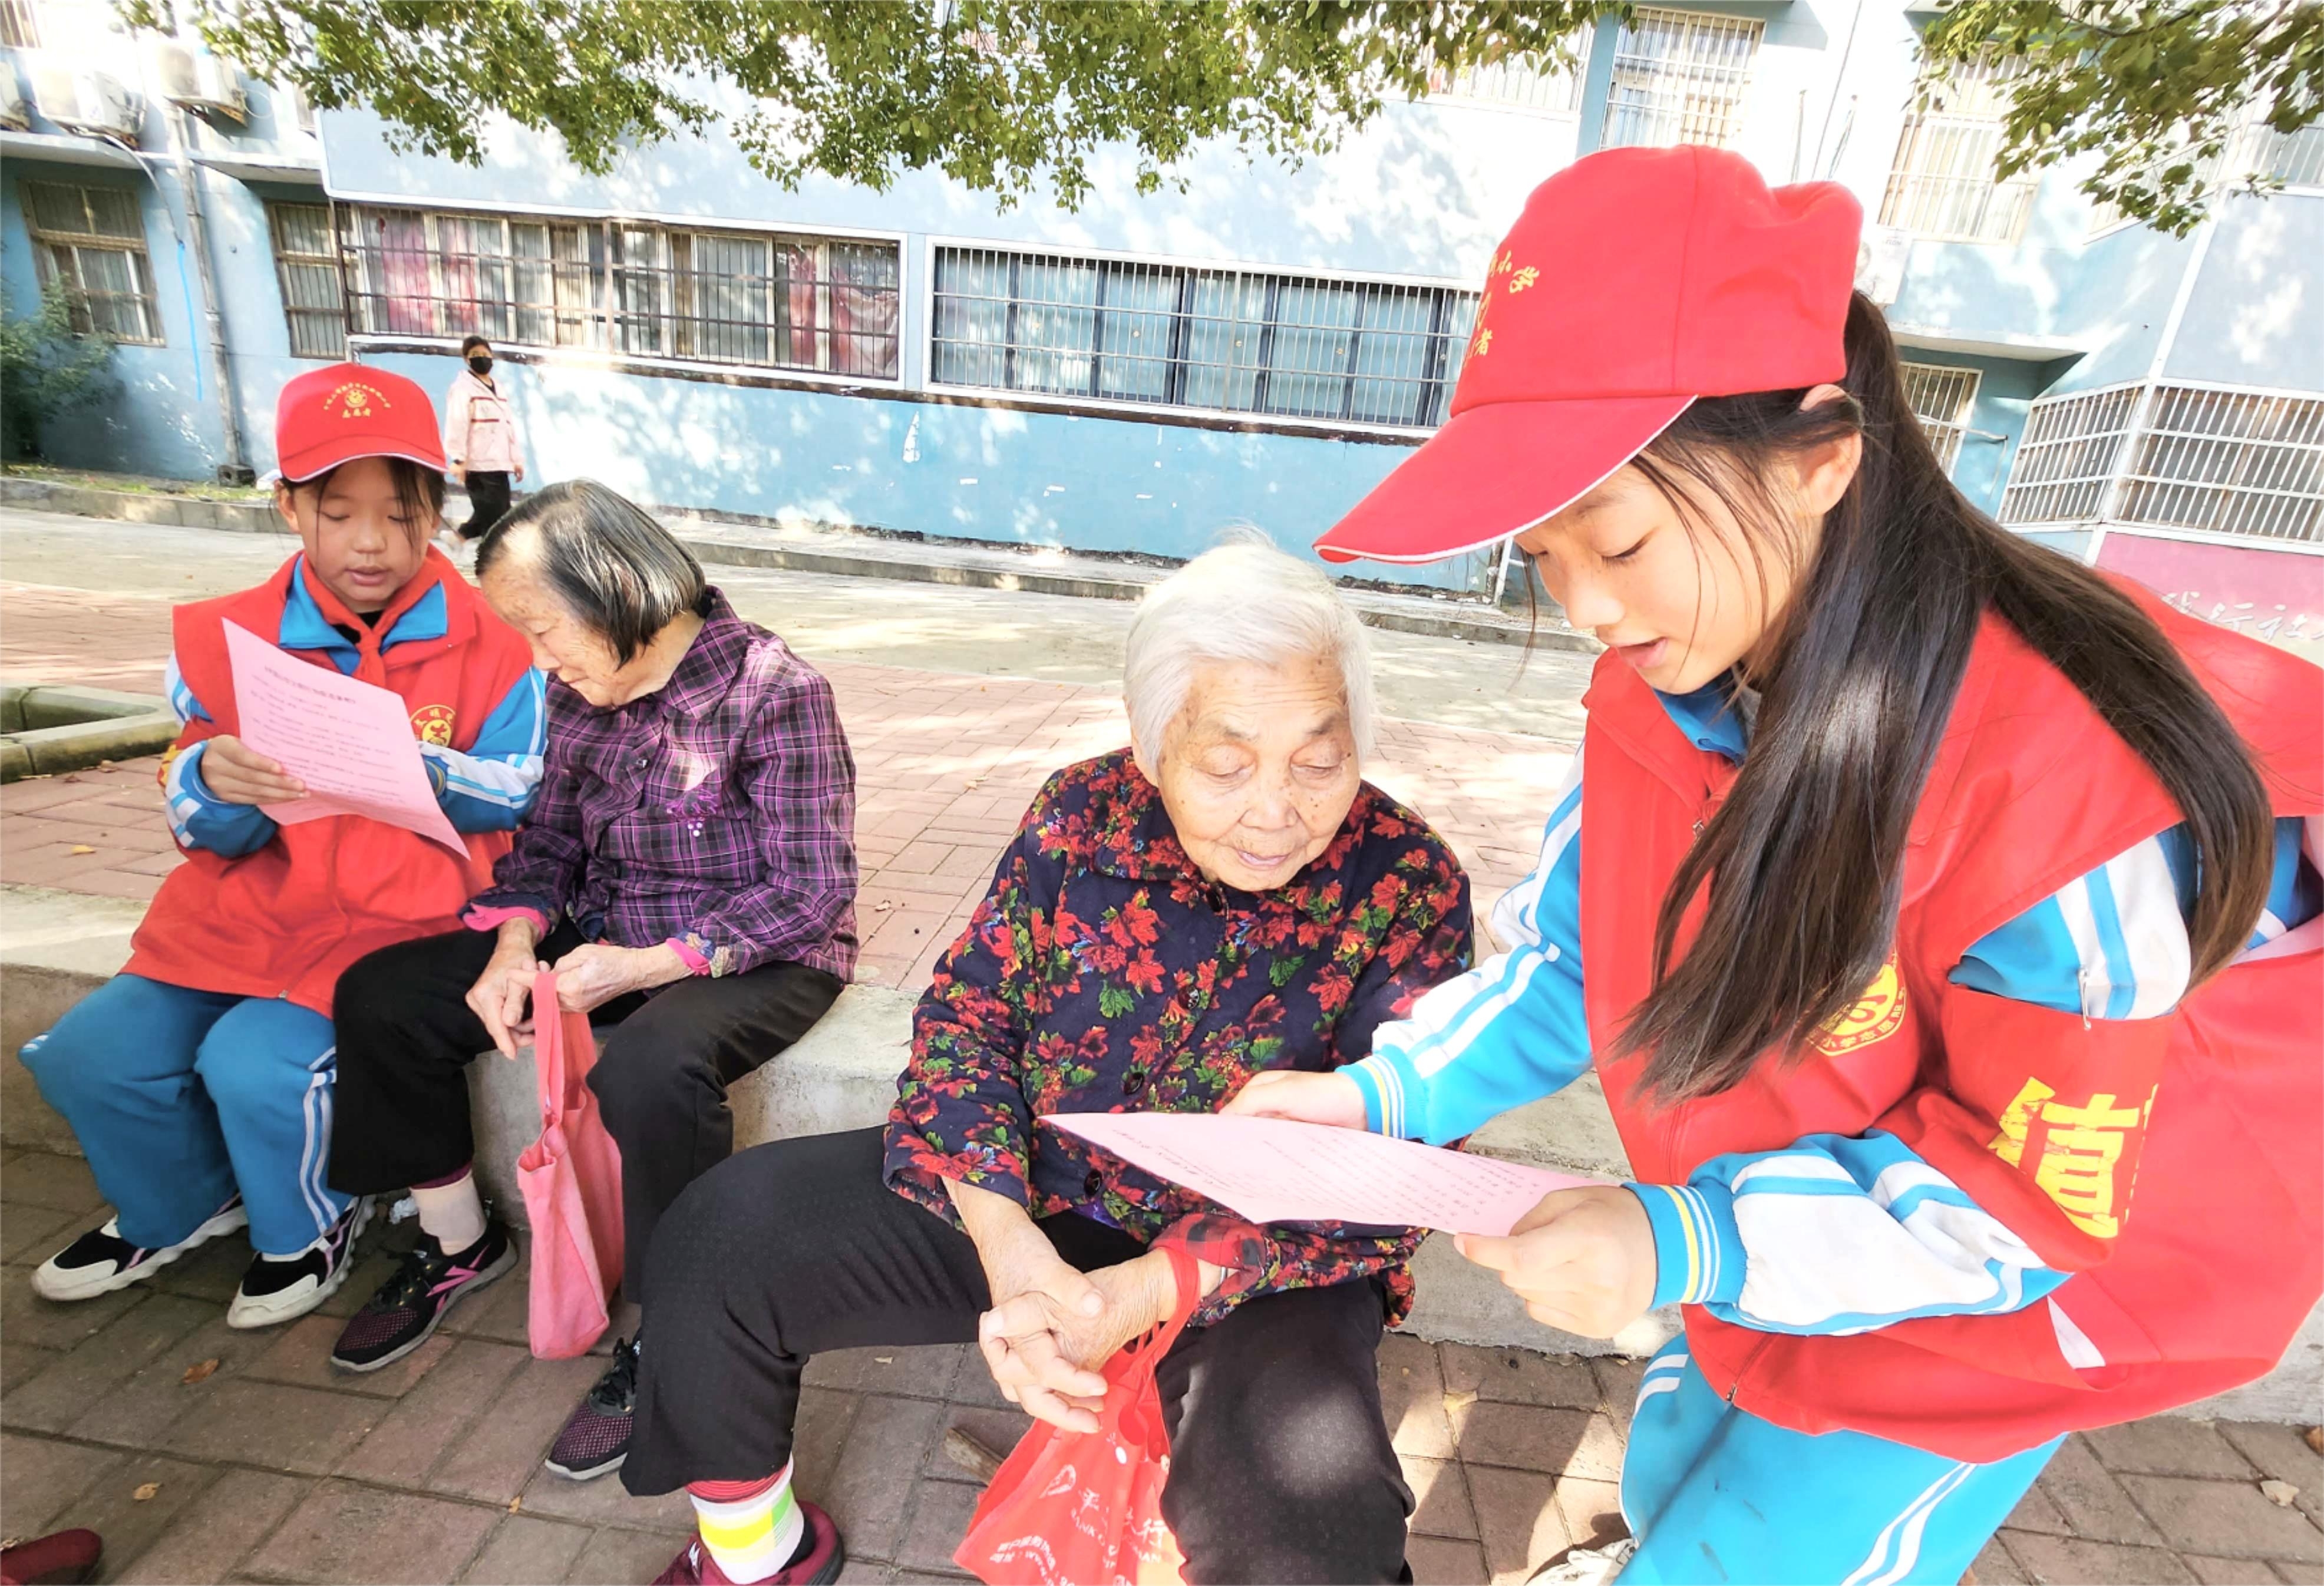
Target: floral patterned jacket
point(1102, 972)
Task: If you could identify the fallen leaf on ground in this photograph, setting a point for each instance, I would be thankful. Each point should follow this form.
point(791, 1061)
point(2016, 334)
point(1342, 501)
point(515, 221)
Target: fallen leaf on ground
point(1459, 1398)
point(2279, 1493)
point(2316, 1438)
point(514, 1502)
point(196, 1373)
point(883, 1359)
point(81, 848)
point(145, 1493)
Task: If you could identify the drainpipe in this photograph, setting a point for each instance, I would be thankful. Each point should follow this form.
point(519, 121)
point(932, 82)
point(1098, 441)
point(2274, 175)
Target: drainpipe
point(237, 467)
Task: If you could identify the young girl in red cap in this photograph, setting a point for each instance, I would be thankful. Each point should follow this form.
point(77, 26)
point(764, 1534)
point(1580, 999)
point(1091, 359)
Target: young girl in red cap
point(199, 1080)
point(1941, 917)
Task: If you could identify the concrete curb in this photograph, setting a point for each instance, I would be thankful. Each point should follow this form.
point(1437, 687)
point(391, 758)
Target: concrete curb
point(46, 729)
point(698, 532)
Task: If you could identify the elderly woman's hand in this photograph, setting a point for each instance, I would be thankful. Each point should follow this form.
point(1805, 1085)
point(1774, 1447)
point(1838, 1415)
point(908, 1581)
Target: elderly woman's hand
point(1308, 1098)
point(593, 975)
point(1583, 1260)
point(498, 997)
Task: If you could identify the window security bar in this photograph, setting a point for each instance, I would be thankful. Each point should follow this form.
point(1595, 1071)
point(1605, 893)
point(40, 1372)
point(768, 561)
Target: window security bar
point(742, 297)
point(1228, 341)
point(1679, 77)
point(2204, 459)
point(1942, 397)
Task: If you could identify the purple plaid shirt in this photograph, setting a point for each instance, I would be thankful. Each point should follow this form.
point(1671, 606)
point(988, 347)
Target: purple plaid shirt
point(718, 812)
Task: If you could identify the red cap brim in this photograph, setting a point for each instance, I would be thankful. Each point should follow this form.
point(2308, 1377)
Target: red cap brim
point(1494, 471)
point(347, 449)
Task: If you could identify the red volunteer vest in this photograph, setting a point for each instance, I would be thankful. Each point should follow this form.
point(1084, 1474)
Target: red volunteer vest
point(2216, 1111)
point(286, 920)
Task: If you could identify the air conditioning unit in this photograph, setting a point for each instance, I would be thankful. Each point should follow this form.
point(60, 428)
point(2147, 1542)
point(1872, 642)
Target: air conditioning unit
point(81, 100)
point(16, 114)
point(1880, 259)
point(199, 82)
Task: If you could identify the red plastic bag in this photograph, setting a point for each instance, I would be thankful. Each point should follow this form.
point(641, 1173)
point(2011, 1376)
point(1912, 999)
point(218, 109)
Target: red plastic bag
point(571, 1179)
point(1084, 1509)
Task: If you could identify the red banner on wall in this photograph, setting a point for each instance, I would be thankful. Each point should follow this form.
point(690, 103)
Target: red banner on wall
point(2275, 594)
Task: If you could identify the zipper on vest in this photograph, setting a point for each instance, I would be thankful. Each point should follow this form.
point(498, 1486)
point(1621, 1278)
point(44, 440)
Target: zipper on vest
point(1749, 1360)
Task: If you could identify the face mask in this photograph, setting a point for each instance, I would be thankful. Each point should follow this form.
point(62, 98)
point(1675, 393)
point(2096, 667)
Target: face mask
point(481, 364)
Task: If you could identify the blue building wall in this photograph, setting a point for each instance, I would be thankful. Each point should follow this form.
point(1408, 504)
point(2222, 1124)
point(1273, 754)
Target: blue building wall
point(2256, 314)
point(937, 468)
point(161, 416)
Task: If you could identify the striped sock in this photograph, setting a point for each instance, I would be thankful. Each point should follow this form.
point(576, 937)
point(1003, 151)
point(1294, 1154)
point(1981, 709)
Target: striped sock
point(750, 1528)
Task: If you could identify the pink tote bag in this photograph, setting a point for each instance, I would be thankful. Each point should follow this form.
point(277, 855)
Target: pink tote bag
point(571, 1180)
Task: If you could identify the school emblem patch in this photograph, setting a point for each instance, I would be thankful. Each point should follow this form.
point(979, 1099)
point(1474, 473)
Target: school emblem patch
point(432, 724)
point(353, 400)
point(1877, 1013)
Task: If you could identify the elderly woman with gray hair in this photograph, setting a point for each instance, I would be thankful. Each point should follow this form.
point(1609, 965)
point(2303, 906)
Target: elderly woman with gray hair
point(689, 873)
point(1225, 896)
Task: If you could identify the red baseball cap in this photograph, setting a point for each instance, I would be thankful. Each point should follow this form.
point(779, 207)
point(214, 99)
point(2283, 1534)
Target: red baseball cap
point(334, 415)
point(1636, 280)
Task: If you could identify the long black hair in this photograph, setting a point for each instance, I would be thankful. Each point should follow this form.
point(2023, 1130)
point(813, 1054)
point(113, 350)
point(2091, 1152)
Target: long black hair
point(1862, 668)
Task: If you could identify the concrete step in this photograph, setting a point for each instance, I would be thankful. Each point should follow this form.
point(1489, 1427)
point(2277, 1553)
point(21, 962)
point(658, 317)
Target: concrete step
point(56, 947)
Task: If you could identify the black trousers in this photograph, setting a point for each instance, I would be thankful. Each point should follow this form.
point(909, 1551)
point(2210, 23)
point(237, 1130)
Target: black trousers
point(488, 495)
point(406, 1035)
point(1280, 1465)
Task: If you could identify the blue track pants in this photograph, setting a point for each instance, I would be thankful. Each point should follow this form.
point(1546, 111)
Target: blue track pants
point(180, 1098)
point(1715, 1494)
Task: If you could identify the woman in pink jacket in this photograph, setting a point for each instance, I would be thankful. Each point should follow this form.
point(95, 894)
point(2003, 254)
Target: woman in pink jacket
point(480, 438)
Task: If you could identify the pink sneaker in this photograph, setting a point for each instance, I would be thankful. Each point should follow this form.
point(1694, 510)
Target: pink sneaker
point(819, 1565)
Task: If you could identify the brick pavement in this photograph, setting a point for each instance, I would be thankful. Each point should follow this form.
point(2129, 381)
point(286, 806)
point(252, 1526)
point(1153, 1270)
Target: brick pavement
point(274, 1469)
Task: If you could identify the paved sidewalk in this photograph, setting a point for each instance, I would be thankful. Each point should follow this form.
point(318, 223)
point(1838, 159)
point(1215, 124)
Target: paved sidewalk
point(273, 1468)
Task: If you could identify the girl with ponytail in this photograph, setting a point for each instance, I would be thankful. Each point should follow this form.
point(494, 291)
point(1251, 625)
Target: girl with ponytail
point(1943, 918)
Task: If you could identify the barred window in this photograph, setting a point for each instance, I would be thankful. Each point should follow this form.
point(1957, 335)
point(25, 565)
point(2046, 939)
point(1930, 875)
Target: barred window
point(2256, 153)
point(90, 243)
point(2230, 462)
point(1941, 396)
point(307, 267)
point(1679, 77)
point(1225, 341)
point(1549, 89)
point(1943, 183)
point(752, 298)
point(20, 29)
point(2066, 457)
point(2184, 457)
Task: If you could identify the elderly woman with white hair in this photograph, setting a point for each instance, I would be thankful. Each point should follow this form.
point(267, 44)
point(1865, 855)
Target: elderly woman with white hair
point(1224, 897)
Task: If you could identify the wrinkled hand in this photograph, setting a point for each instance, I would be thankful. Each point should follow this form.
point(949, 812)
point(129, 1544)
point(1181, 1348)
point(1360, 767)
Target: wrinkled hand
point(1048, 1356)
point(1583, 1260)
point(1309, 1098)
point(239, 774)
point(593, 975)
point(499, 996)
point(1037, 1300)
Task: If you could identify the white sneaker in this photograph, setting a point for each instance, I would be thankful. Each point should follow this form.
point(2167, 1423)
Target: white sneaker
point(100, 1260)
point(1587, 1566)
point(281, 1289)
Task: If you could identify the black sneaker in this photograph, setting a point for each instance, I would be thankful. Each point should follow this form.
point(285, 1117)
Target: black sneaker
point(596, 1437)
point(402, 1316)
point(100, 1260)
point(279, 1288)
